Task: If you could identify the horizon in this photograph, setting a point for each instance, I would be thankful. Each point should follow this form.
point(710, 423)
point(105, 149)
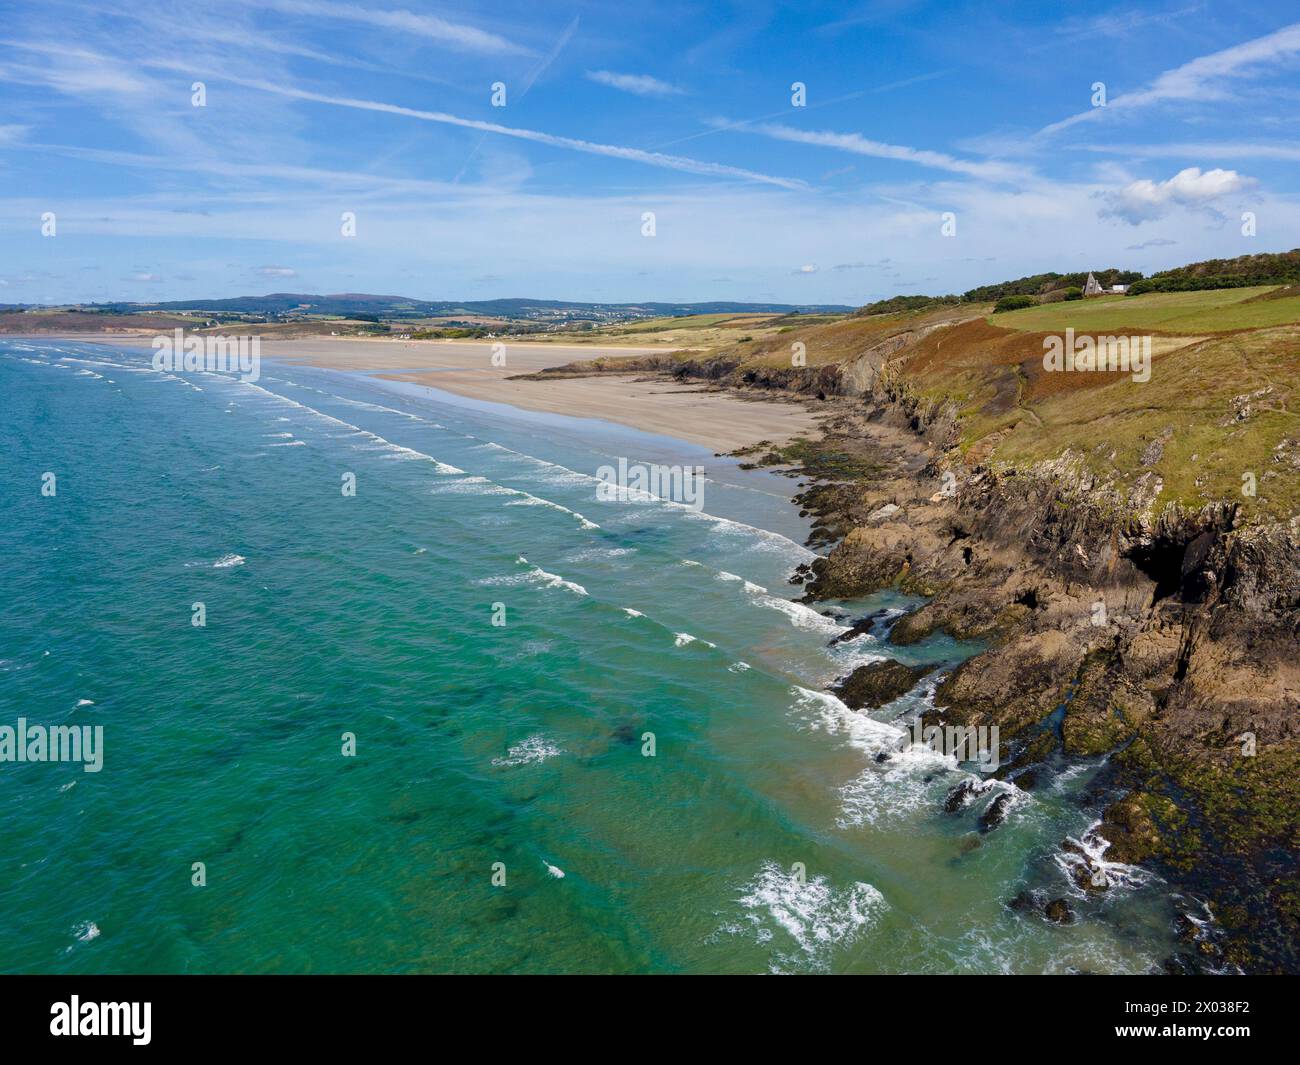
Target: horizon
point(420, 299)
point(589, 302)
point(886, 174)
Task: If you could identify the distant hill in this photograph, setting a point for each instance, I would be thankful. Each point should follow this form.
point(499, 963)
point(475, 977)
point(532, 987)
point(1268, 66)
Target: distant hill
point(351, 303)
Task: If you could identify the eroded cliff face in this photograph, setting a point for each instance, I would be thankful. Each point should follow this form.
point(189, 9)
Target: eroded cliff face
point(1159, 642)
point(1168, 641)
point(1162, 642)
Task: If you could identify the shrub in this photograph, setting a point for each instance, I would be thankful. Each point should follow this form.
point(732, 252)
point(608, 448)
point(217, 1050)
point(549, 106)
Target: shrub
point(1014, 303)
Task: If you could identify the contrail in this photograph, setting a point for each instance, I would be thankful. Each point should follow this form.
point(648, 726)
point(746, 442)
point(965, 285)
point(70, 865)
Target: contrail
point(667, 162)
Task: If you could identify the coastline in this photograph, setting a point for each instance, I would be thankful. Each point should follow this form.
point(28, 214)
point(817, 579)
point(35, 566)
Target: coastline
point(698, 622)
point(720, 419)
point(1143, 697)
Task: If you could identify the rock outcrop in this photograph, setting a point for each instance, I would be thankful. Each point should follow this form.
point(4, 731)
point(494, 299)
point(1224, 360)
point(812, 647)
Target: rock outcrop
point(878, 683)
point(1164, 638)
point(1169, 641)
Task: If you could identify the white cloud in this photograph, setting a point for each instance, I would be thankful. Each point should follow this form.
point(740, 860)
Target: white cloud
point(638, 84)
point(591, 249)
point(1222, 150)
point(456, 34)
point(277, 271)
point(1154, 242)
point(128, 93)
point(860, 145)
point(1141, 201)
point(88, 75)
point(1202, 78)
point(150, 278)
point(668, 162)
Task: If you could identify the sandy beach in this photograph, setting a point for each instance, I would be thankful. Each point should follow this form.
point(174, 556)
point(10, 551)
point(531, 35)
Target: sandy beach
point(722, 421)
point(718, 420)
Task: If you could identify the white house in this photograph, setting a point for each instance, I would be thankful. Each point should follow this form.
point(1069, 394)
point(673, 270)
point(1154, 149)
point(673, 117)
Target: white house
point(1094, 288)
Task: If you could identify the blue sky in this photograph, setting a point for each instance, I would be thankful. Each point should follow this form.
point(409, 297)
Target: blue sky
point(913, 109)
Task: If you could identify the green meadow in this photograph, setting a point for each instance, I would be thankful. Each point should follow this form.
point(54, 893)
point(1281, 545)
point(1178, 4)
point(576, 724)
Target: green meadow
point(1210, 311)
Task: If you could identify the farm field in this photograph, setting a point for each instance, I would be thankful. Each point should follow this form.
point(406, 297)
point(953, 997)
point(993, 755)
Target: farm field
point(1209, 311)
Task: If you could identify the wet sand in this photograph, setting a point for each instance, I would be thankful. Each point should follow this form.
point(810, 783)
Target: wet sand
point(719, 420)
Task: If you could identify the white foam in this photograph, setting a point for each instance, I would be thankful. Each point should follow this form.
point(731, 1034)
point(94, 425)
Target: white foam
point(472, 485)
point(536, 575)
point(227, 561)
point(599, 554)
point(376, 407)
point(682, 639)
point(892, 791)
point(806, 920)
point(536, 748)
point(823, 712)
point(530, 500)
point(801, 616)
point(1062, 780)
point(749, 586)
point(554, 580)
point(765, 537)
point(381, 442)
point(1112, 874)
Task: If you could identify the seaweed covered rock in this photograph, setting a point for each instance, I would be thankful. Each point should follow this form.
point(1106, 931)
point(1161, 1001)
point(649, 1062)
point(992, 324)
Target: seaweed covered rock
point(878, 683)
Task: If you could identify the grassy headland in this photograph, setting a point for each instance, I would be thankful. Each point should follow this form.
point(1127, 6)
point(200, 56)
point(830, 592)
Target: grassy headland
point(1129, 549)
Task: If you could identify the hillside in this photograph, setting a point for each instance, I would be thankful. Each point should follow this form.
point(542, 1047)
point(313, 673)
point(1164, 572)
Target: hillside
point(1267, 268)
point(1271, 268)
point(72, 321)
point(1221, 387)
point(1129, 551)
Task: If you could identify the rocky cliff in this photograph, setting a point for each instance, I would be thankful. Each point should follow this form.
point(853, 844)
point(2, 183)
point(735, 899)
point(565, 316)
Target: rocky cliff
point(1151, 631)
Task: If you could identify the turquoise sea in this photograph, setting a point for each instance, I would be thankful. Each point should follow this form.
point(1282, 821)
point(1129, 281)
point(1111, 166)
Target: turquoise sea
point(760, 835)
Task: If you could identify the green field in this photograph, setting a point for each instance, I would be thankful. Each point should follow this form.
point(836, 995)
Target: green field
point(692, 321)
point(1211, 311)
